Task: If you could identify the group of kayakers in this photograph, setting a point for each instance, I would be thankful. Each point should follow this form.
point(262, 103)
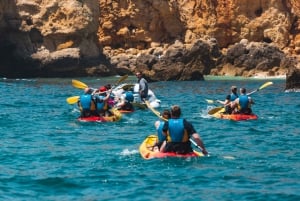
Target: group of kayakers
point(98, 102)
point(175, 133)
point(237, 104)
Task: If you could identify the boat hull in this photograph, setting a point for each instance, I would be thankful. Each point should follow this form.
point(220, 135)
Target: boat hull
point(115, 117)
point(236, 117)
point(146, 150)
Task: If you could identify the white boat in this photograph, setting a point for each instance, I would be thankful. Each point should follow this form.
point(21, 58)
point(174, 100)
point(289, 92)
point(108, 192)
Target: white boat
point(120, 89)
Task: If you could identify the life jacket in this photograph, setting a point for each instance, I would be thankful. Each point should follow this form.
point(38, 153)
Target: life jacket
point(243, 102)
point(161, 136)
point(86, 101)
point(176, 132)
point(100, 103)
point(129, 96)
point(233, 96)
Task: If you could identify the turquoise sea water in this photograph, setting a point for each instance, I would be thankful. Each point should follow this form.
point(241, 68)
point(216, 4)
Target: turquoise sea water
point(47, 155)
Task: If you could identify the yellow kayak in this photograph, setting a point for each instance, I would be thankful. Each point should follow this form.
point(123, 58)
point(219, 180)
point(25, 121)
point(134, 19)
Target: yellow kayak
point(147, 152)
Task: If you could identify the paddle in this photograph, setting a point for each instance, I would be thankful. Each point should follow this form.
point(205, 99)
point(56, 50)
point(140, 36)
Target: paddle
point(215, 110)
point(218, 109)
point(157, 113)
point(73, 99)
point(78, 84)
point(260, 88)
point(121, 79)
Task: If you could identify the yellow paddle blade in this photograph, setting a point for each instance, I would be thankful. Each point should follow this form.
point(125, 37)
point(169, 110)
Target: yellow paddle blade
point(265, 85)
point(262, 86)
point(73, 99)
point(215, 110)
point(78, 84)
point(124, 77)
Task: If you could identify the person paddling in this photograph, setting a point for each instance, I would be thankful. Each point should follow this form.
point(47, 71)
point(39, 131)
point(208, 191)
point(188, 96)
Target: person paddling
point(125, 101)
point(229, 100)
point(159, 126)
point(101, 99)
point(178, 132)
point(243, 102)
point(86, 103)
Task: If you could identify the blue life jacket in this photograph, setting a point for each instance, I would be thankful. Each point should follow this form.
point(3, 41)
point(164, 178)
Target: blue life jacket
point(244, 102)
point(129, 96)
point(233, 97)
point(176, 130)
point(100, 102)
point(86, 101)
point(161, 136)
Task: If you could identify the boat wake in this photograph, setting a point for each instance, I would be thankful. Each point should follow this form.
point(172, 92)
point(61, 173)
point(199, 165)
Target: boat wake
point(127, 152)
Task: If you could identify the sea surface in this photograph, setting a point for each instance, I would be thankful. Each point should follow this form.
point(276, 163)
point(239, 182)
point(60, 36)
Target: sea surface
point(46, 154)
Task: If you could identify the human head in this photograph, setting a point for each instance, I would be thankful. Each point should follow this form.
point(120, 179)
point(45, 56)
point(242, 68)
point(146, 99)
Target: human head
point(175, 111)
point(88, 91)
point(166, 114)
point(108, 86)
point(102, 89)
point(138, 74)
point(242, 90)
point(234, 89)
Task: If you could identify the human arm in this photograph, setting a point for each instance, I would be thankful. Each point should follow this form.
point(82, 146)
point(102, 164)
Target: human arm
point(156, 124)
point(199, 142)
point(196, 137)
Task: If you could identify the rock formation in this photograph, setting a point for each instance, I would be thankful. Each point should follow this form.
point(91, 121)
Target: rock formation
point(182, 40)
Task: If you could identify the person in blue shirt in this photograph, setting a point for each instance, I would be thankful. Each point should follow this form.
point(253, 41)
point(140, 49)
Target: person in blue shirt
point(229, 100)
point(159, 126)
point(125, 101)
point(178, 132)
point(243, 102)
point(101, 100)
point(86, 103)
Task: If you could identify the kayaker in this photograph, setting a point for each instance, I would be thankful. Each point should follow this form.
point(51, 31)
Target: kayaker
point(86, 103)
point(243, 102)
point(101, 99)
point(178, 132)
point(158, 126)
point(143, 85)
point(229, 100)
point(125, 101)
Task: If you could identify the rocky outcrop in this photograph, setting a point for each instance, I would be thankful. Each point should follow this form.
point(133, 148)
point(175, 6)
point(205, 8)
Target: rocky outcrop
point(49, 38)
point(293, 80)
point(250, 59)
point(181, 39)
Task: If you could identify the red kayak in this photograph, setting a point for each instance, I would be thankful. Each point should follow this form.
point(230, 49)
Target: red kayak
point(236, 117)
point(115, 117)
point(147, 152)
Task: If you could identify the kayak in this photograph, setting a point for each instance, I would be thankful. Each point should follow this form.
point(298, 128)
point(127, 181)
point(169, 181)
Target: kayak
point(235, 117)
point(147, 152)
point(115, 117)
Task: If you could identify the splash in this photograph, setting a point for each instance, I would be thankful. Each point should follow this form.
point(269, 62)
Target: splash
point(127, 152)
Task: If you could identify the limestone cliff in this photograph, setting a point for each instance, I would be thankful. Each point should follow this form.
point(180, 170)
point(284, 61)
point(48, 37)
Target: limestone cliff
point(105, 37)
